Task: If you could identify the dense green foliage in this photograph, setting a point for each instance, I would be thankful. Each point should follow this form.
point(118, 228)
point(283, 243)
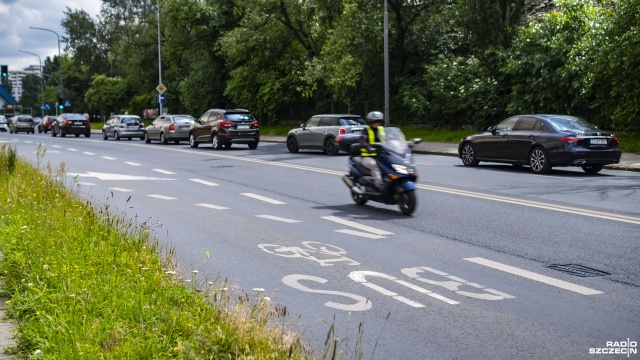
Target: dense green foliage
point(451, 62)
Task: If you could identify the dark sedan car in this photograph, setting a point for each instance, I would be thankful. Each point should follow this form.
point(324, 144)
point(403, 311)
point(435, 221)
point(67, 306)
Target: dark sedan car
point(71, 124)
point(542, 142)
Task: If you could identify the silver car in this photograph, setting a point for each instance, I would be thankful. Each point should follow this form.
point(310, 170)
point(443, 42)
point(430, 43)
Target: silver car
point(320, 132)
point(167, 128)
point(4, 126)
point(123, 126)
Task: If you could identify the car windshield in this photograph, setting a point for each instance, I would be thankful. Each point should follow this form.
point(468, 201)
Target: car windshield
point(352, 121)
point(24, 119)
point(395, 141)
point(74, 117)
point(183, 120)
point(239, 116)
point(131, 121)
point(570, 123)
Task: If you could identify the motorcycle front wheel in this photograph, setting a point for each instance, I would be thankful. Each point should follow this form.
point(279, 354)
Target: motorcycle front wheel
point(358, 198)
point(407, 202)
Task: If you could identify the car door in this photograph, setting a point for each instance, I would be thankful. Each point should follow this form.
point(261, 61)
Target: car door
point(325, 126)
point(153, 131)
point(523, 137)
point(305, 135)
point(494, 145)
point(205, 124)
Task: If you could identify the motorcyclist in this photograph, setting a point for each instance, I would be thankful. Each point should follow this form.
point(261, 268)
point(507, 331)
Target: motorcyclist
point(373, 133)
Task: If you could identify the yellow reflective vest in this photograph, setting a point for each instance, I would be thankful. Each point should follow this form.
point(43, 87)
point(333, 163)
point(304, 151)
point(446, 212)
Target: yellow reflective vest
point(372, 139)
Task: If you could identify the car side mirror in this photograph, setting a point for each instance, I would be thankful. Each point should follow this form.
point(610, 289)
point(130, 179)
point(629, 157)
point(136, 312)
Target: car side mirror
point(492, 129)
point(302, 126)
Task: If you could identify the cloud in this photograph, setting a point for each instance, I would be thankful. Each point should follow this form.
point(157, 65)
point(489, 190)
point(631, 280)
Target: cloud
point(18, 15)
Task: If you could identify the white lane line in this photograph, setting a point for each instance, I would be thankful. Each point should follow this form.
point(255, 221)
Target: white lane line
point(108, 157)
point(28, 141)
point(162, 197)
point(164, 171)
point(357, 225)
point(56, 146)
point(276, 218)
point(263, 198)
point(88, 153)
point(211, 206)
point(119, 189)
point(534, 276)
point(86, 183)
point(132, 163)
point(53, 152)
point(204, 182)
point(360, 233)
point(72, 149)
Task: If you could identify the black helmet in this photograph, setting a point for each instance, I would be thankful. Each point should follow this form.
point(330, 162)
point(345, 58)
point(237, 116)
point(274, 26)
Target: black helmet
point(374, 116)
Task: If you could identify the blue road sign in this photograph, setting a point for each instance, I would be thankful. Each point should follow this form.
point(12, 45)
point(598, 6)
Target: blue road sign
point(162, 98)
point(67, 103)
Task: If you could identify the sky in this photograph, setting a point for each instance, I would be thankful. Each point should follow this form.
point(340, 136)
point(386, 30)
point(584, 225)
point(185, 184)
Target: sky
point(16, 16)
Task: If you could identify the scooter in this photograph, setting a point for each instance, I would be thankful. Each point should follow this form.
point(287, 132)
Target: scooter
point(398, 171)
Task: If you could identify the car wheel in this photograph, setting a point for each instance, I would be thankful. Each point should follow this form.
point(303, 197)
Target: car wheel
point(253, 145)
point(192, 141)
point(163, 140)
point(215, 143)
point(77, 135)
point(146, 138)
point(104, 135)
point(358, 198)
point(407, 202)
point(39, 130)
point(177, 142)
point(116, 135)
point(538, 161)
point(468, 155)
point(592, 169)
point(330, 147)
point(87, 134)
point(53, 132)
point(129, 138)
point(141, 137)
point(292, 144)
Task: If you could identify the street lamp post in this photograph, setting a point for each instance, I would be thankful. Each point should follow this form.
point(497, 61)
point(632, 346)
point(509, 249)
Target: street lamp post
point(159, 58)
point(41, 81)
point(59, 58)
point(386, 65)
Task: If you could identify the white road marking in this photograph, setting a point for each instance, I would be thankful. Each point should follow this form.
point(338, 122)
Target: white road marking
point(204, 182)
point(263, 198)
point(534, 276)
point(28, 141)
point(107, 176)
point(56, 146)
point(419, 163)
point(108, 157)
point(276, 218)
point(120, 189)
point(86, 184)
point(132, 163)
point(357, 225)
point(53, 152)
point(162, 197)
point(88, 153)
point(360, 233)
point(72, 149)
point(211, 206)
point(164, 171)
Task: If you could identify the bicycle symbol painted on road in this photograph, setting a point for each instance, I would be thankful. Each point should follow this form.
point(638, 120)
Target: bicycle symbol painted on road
point(323, 254)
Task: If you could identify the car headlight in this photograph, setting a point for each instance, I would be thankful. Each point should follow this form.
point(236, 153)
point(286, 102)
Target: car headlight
point(402, 169)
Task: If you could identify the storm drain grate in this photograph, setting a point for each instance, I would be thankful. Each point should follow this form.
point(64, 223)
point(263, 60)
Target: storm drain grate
point(578, 270)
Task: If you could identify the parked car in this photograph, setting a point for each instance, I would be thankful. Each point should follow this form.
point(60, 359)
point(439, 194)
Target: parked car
point(225, 127)
point(70, 123)
point(320, 132)
point(542, 142)
point(167, 128)
point(123, 126)
point(47, 123)
point(4, 125)
point(21, 123)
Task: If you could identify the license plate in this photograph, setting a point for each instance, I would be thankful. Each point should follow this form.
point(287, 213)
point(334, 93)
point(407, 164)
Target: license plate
point(243, 127)
point(598, 141)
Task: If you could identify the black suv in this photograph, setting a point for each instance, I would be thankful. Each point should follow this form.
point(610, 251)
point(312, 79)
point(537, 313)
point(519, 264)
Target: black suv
point(225, 127)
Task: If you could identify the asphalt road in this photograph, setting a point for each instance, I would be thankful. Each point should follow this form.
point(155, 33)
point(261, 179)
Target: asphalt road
point(467, 276)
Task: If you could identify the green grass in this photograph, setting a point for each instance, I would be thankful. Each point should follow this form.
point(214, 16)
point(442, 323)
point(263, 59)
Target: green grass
point(84, 283)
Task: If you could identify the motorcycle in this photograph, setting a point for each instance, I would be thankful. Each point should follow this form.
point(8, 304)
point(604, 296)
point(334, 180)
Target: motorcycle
point(397, 168)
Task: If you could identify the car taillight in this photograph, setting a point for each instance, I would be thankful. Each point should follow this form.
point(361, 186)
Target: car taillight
point(86, 122)
point(68, 122)
point(226, 123)
point(255, 123)
point(615, 140)
point(569, 140)
point(171, 127)
point(343, 131)
point(121, 126)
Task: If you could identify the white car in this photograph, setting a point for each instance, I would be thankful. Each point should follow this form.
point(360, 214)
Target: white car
point(4, 127)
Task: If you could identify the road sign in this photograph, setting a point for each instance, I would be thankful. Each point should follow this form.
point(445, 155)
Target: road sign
point(67, 103)
point(162, 98)
point(45, 107)
point(161, 88)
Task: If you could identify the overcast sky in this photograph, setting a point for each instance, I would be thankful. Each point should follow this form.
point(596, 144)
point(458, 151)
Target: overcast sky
point(16, 16)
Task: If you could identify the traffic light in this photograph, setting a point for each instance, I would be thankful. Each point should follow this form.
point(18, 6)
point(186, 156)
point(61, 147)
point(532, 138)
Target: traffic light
point(60, 104)
point(5, 70)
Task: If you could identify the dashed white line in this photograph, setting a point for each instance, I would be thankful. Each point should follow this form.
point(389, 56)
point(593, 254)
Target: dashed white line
point(72, 149)
point(86, 183)
point(56, 146)
point(357, 225)
point(204, 182)
point(263, 198)
point(162, 197)
point(132, 163)
point(360, 233)
point(108, 157)
point(88, 153)
point(534, 276)
point(276, 218)
point(164, 171)
point(120, 189)
point(211, 206)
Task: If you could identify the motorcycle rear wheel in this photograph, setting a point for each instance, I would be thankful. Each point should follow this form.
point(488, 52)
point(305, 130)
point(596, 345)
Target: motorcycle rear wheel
point(407, 202)
point(358, 198)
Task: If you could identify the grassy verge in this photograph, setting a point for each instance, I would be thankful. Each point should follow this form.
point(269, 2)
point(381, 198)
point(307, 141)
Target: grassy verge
point(86, 284)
